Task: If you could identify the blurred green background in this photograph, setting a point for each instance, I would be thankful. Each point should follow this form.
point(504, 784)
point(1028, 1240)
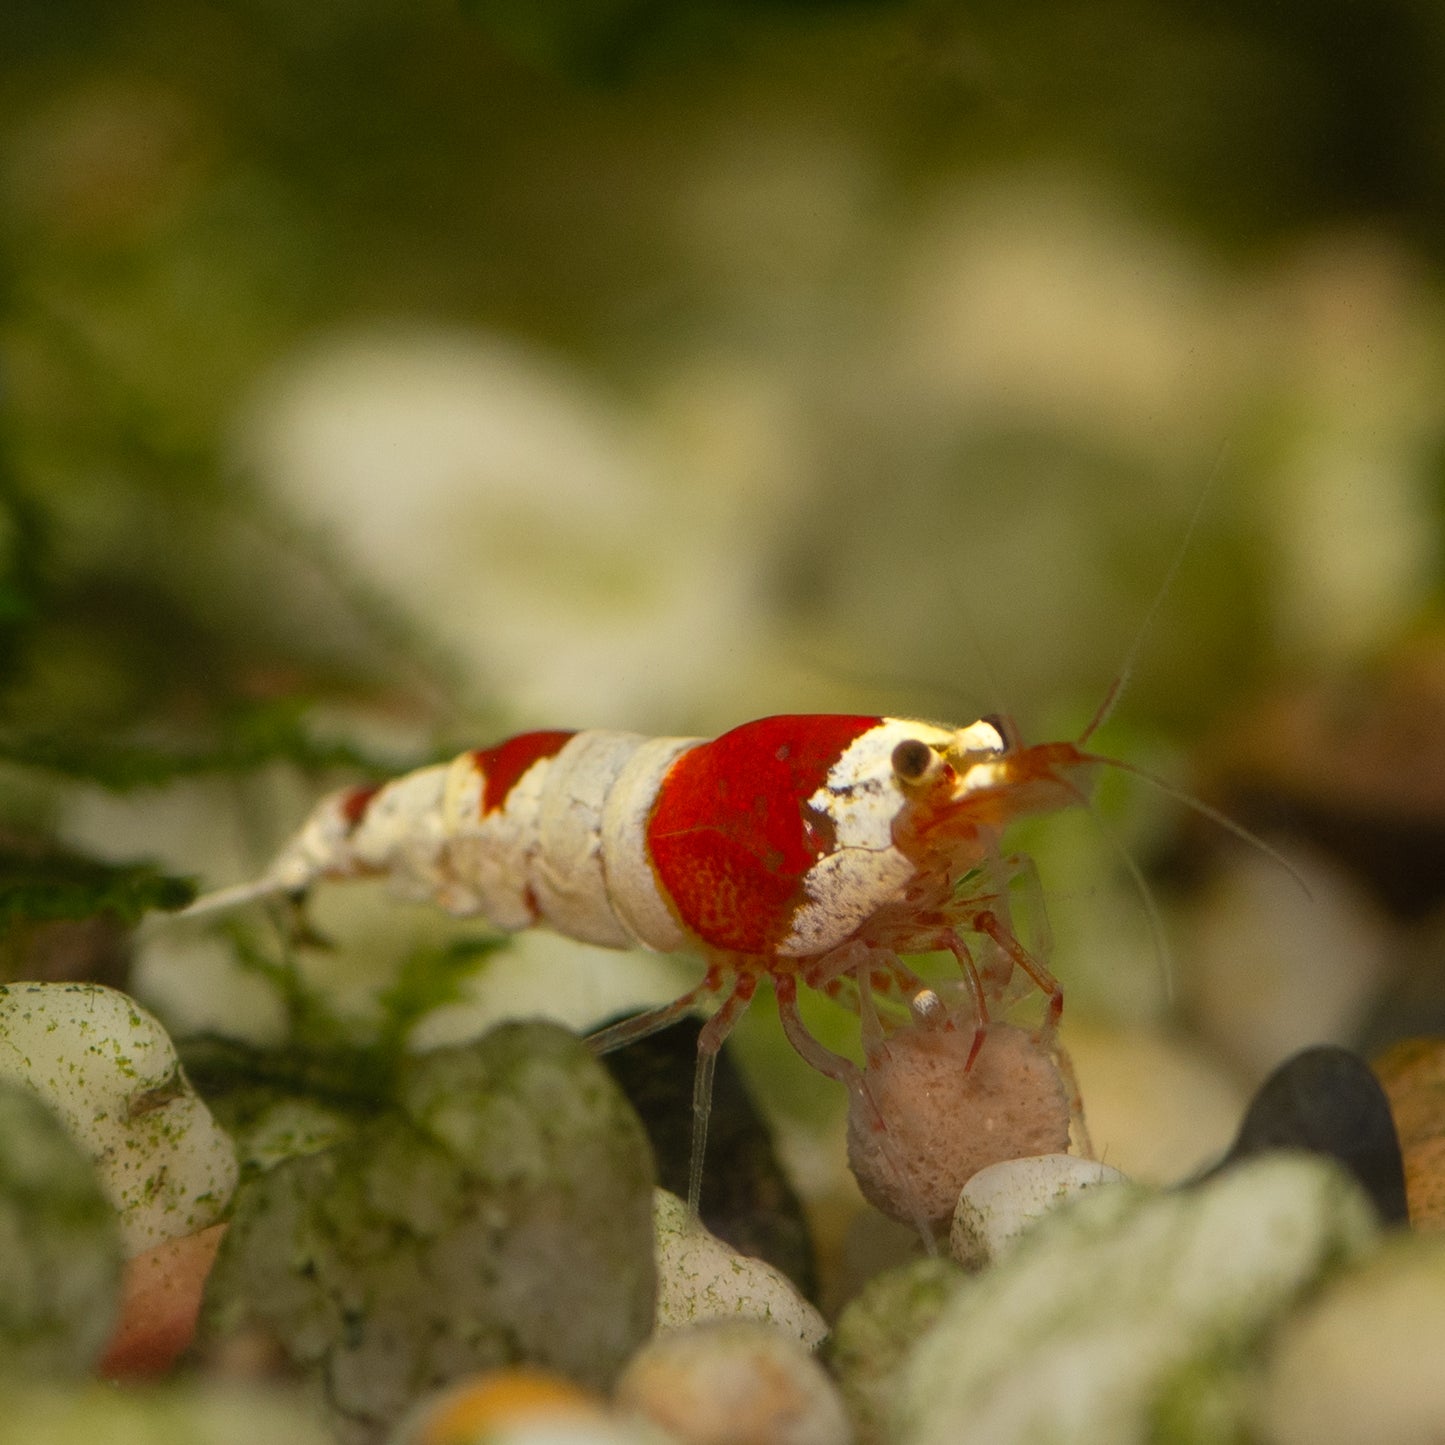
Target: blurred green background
point(376, 378)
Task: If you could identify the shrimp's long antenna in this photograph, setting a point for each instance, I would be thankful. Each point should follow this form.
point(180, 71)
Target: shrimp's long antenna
point(1146, 895)
point(1131, 658)
point(1205, 810)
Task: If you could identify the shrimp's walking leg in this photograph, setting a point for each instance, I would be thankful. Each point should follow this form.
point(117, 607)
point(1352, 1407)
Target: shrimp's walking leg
point(709, 1041)
point(1083, 1144)
point(1021, 868)
point(644, 1025)
point(988, 923)
point(959, 950)
point(831, 1065)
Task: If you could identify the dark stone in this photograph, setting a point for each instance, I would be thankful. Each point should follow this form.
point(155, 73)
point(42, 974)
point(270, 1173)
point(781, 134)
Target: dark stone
point(1326, 1100)
point(746, 1198)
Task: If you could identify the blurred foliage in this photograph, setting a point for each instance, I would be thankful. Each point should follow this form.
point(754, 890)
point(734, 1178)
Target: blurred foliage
point(55, 885)
point(347, 1063)
point(194, 193)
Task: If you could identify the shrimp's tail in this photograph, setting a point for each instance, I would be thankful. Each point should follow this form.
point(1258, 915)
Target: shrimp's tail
point(222, 900)
point(321, 849)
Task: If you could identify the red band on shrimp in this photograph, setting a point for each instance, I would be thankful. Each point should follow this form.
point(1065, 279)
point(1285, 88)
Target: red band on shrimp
point(503, 765)
point(353, 808)
point(732, 835)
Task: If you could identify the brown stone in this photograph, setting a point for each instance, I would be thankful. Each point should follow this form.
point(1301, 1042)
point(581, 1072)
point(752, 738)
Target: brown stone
point(1413, 1076)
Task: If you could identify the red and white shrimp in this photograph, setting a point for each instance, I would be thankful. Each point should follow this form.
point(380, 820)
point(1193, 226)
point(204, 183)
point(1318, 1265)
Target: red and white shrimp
point(806, 848)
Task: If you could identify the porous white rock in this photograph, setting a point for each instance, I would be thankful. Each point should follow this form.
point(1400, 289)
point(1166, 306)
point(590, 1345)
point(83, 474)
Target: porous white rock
point(110, 1071)
point(1001, 1202)
point(734, 1382)
point(931, 1114)
point(701, 1278)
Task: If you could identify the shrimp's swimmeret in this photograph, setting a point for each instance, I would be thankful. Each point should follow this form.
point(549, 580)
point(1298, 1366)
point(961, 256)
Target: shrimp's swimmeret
point(802, 848)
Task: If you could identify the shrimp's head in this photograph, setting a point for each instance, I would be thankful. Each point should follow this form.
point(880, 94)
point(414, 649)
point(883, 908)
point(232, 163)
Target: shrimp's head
point(980, 778)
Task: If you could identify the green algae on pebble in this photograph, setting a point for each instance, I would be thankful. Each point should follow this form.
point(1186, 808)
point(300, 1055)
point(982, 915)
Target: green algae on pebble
point(875, 1332)
point(701, 1277)
point(110, 1071)
point(500, 1213)
point(1128, 1311)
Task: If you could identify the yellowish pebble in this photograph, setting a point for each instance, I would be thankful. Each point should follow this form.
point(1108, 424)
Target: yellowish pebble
point(499, 1400)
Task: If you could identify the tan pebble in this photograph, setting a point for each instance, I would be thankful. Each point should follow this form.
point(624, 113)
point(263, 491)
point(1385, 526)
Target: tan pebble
point(1413, 1076)
point(928, 1123)
point(734, 1382)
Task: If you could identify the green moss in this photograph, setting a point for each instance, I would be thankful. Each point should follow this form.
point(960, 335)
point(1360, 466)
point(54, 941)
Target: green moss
point(52, 885)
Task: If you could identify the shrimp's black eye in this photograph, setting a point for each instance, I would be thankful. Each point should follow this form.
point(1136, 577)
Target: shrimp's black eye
point(913, 760)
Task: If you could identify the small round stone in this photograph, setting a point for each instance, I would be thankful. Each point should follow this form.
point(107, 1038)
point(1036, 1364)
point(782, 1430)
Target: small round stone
point(924, 1122)
point(1327, 1100)
point(999, 1203)
point(494, 1405)
point(734, 1382)
point(699, 1277)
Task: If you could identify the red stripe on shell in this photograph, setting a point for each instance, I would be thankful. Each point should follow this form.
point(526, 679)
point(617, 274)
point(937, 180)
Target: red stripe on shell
point(731, 836)
point(353, 805)
point(502, 767)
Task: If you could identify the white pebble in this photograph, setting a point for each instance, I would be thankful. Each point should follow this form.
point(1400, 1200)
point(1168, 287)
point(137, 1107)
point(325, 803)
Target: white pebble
point(999, 1203)
point(110, 1071)
point(734, 1382)
point(701, 1278)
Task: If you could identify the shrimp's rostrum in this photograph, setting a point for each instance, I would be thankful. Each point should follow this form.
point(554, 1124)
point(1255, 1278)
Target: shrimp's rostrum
point(812, 848)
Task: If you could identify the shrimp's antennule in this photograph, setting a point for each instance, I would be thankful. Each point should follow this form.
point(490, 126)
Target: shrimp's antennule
point(1205, 810)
